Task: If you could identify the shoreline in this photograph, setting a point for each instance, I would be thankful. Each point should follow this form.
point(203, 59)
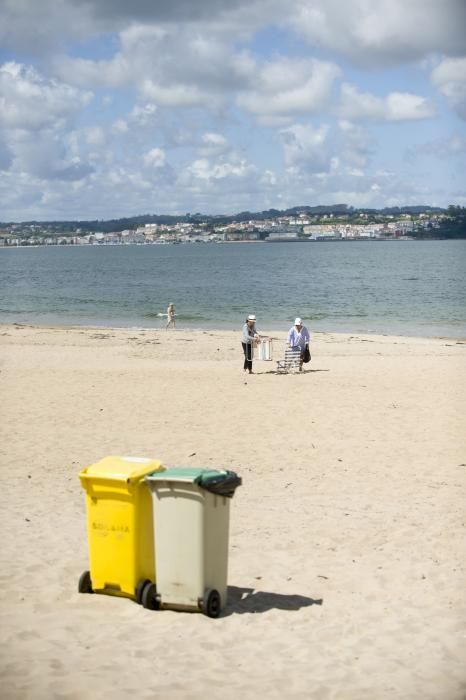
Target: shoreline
point(361, 239)
point(460, 339)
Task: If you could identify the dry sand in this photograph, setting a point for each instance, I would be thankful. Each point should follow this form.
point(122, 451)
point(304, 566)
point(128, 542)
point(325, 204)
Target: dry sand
point(347, 567)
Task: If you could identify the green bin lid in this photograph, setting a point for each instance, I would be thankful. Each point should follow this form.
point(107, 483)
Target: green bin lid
point(221, 482)
point(184, 474)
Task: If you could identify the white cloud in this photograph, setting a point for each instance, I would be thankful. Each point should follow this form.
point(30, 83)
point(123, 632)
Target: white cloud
point(6, 157)
point(207, 73)
point(36, 115)
point(112, 73)
point(120, 126)
point(173, 79)
point(38, 27)
point(203, 169)
point(456, 144)
point(363, 190)
point(396, 106)
point(225, 184)
point(30, 101)
point(284, 87)
point(306, 148)
point(356, 145)
point(144, 115)
point(155, 158)
point(212, 139)
point(213, 144)
point(443, 148)
point(42, 27)
point(48, 159)
point(175, 95)
point(382, 32)
point(450, 78)
point(403, 106)
point(95, 136)
point(269, 178)
point(170, 66)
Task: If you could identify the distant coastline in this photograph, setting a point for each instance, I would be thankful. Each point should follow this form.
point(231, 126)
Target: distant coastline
point(298, 225)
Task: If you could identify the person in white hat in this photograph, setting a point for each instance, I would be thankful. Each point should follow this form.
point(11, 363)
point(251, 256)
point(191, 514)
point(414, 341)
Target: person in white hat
point(171, 313)
point(298, 339)
point(250, 337)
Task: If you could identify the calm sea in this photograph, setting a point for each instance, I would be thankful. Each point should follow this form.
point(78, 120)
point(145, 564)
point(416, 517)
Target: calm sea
point(404, 287)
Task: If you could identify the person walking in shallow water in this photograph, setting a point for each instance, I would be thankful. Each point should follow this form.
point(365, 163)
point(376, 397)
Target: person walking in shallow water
point(250, 337)
point(171, 316)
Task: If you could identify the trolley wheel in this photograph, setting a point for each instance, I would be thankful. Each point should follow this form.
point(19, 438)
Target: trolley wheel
point(211, 603)
point(85, 583)
point(140, 588)
point(149, 597)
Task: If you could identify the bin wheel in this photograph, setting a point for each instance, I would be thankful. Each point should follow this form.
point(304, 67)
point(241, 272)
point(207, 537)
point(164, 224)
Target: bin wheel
point(140, 588)
point(85, 583)
point(149, 597)
point(211, 603)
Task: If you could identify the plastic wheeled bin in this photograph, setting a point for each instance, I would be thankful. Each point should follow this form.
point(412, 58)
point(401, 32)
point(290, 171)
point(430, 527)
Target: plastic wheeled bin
point(120, 528)
point(192, 511)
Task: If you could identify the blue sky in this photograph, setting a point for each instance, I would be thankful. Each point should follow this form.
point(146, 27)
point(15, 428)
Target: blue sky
point(112, 109)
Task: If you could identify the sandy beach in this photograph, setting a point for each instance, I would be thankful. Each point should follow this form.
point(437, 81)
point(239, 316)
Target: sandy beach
point(347, 543)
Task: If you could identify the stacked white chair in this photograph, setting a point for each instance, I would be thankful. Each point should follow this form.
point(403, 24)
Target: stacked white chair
point(291, 363)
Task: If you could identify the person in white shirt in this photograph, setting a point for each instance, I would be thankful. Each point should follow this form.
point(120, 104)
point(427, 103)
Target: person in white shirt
point(298, 338)
point(250, 337)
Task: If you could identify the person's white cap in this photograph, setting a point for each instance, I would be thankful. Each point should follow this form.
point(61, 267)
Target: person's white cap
point(251, 317)
point(298, 322)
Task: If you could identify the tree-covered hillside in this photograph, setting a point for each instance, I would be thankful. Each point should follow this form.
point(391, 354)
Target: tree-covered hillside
point(335, 210)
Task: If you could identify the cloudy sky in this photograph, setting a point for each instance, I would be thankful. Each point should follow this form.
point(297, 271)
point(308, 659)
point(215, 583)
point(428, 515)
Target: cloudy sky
point(111, 108)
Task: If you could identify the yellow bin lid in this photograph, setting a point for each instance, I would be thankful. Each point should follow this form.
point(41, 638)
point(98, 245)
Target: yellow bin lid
point(126, 469)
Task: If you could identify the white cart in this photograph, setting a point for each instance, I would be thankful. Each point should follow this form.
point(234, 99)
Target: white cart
point(263, 350)
point(191, 526)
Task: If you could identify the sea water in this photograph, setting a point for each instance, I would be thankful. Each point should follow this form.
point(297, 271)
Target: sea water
point(393, 287)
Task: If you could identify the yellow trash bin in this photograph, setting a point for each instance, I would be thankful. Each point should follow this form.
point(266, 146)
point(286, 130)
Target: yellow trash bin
point(120, 527)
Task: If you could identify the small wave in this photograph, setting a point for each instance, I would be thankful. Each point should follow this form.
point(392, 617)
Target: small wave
point(191, 317)
point(314, 317)
point(348, 315)
point(178, 317)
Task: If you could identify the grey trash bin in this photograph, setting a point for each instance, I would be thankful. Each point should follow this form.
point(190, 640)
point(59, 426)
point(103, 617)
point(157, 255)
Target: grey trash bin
point(191, 529)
